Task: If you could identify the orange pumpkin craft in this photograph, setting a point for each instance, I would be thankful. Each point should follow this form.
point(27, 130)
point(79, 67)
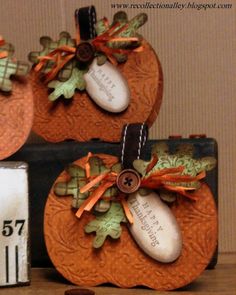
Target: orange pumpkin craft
point(92, 85)
point(16, 102)
point(151, 223)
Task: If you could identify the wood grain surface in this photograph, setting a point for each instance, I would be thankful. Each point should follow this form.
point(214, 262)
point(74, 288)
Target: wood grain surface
point(218, 281)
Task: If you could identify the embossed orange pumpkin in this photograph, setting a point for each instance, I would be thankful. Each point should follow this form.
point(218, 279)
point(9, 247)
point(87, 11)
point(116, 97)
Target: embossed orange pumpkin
point(121, 262)
point(16, 117)
point(81, 119)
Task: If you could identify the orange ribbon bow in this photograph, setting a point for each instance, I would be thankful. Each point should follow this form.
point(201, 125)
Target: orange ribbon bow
point(111, 35)
point(106, 180)
point(63, 54)
point(167, 179)
point(164, 178)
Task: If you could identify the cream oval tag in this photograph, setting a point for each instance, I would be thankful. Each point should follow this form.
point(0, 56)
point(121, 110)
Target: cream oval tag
point(155, 228)
point(107, 87)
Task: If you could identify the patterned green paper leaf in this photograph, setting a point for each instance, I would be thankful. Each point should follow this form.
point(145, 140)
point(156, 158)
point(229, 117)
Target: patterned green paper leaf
point(141, 166)
point(161, 149)
point(78, 180)
point(185, 150)
point(96, 168)
point(130, 31)
point(48, 46)
point(107, 224)
point(116, 168)
point(9, 67)
point(71, 187)
point(182, 157)
point(121, 17)
point(67, 88)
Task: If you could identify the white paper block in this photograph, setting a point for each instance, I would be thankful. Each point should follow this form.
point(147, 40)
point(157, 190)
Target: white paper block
point(14, 222)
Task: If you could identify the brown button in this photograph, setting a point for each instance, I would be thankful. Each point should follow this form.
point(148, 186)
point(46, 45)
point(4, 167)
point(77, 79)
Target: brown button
point(85, 52)
point(128, 181)
point(79, 291)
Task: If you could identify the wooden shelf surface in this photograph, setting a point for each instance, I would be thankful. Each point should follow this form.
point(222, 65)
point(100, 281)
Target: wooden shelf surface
point(221, 280)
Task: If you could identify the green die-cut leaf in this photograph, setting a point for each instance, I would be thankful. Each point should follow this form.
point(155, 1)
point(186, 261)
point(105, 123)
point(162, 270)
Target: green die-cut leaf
point(120, 19)
point(72, 186)
point(107, 224)
point(48, 46)
point(182, 157)
point(96, 168)
point(67, 88)
point(78, 179)
point(9, 67)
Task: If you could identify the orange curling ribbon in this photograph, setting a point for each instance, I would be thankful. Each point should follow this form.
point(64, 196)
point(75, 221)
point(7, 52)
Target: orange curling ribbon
point(111, 35)
point(167, 178)
point(60, 56)
point(63, 54)
point(107, 180)
point(128, 214)
point(152, 163)
point(3, 53)
point(87, 166)
point(93, 182)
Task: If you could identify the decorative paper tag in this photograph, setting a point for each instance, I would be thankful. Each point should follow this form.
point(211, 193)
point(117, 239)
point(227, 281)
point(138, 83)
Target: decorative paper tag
point(107, 87)
point(155, 228)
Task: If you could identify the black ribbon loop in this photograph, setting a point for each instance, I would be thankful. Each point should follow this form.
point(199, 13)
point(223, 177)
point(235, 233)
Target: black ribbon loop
point(134, 137)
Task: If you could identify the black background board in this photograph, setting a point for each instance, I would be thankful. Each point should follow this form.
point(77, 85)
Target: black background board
point(47, 161)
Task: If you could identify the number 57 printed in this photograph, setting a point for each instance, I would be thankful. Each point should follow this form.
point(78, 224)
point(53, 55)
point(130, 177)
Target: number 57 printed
point(9, 227)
